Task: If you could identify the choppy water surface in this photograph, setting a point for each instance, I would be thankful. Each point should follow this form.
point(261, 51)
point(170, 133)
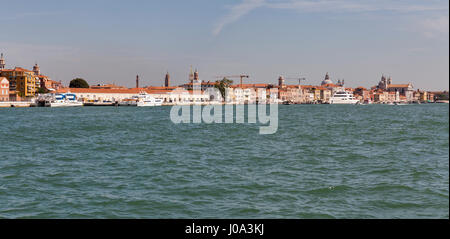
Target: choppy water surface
point(325, 161)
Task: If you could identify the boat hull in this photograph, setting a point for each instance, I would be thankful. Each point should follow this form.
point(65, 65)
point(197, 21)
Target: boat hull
point(346, 102)
point(148, 104)
point(65, 104)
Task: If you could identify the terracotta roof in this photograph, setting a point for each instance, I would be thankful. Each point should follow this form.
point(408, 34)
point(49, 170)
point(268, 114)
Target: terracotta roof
point(331, 85)
point(308, 86)
point(398, 85)
point(119, 91)
point(161, 87)
point(244, 86)
point(107, 86)
point(21, 69)
point(104, 91)
point(292, 86)
point(17, 69)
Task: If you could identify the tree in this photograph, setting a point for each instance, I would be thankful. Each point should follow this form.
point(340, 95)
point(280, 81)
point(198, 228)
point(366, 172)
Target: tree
point(442, 96)
point(221, 85)
point(78, 83)
point(41, 90)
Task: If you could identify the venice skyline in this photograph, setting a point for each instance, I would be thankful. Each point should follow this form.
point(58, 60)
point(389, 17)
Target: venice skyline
point(357, 41)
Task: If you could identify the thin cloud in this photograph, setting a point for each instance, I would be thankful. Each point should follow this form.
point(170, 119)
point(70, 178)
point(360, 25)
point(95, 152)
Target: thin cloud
point(435, 27)
point(237, 12)
point(351, 6)
point(355, 6)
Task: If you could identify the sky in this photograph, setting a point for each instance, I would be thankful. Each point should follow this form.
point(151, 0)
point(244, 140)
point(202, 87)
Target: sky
point(108, 41)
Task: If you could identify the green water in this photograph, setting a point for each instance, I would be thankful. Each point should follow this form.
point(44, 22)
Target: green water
point(325, 161)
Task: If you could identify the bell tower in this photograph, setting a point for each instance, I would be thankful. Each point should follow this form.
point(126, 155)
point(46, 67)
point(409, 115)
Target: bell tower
point(196, 76)
point(2, 62)
point(36, 69)
point(137, 81)
point(167, 80)
point(281, 83)
point(191, 76)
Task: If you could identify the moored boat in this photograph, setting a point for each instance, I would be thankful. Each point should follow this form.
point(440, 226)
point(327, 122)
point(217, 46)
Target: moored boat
point(144, 100)
point(342, 97)
point(63, 100)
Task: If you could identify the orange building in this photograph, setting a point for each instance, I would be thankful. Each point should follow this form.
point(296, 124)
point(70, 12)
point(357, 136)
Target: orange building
point(21, 81)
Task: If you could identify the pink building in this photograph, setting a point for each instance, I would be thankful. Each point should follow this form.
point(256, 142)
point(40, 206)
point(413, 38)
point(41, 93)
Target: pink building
point(4, 89)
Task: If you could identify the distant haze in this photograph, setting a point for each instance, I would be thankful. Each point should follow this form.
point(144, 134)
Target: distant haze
point(113, 41)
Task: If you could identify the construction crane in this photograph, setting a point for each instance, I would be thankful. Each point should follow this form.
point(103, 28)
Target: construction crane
point(299, 79)
point(242, 76)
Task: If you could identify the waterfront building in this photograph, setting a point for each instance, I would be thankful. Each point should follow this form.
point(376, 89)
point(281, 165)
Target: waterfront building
point(430, 97)
point(307, 95)
point(362, 94)
point(21, 81)
point(393, 97)
point(406, 90)
point(233, 95)
point(316, 92)
point(4, 89)
point(403, 99)
point(401, 88)
point(24, 83)
point(168, 94)
point(439, 95)
point(380, 96)
point(201, 85)
point(249, 95)
point(421, 96)
point(294, 93)
point(246, 93)
point(325, 94)
point(49, 84)
point(282, 95)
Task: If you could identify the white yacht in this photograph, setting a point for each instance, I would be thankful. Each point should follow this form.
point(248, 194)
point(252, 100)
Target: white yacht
point(144, 99)
point(63, 100)
point(342, 97)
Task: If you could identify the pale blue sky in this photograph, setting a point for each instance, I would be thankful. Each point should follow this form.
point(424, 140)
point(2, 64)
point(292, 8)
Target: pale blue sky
point(112, 41)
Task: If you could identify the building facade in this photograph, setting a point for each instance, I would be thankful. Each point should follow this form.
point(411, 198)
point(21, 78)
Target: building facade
point(21, 81)
point(4, 89)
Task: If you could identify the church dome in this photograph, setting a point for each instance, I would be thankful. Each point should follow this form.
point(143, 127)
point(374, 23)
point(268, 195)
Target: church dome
point(327, 80)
